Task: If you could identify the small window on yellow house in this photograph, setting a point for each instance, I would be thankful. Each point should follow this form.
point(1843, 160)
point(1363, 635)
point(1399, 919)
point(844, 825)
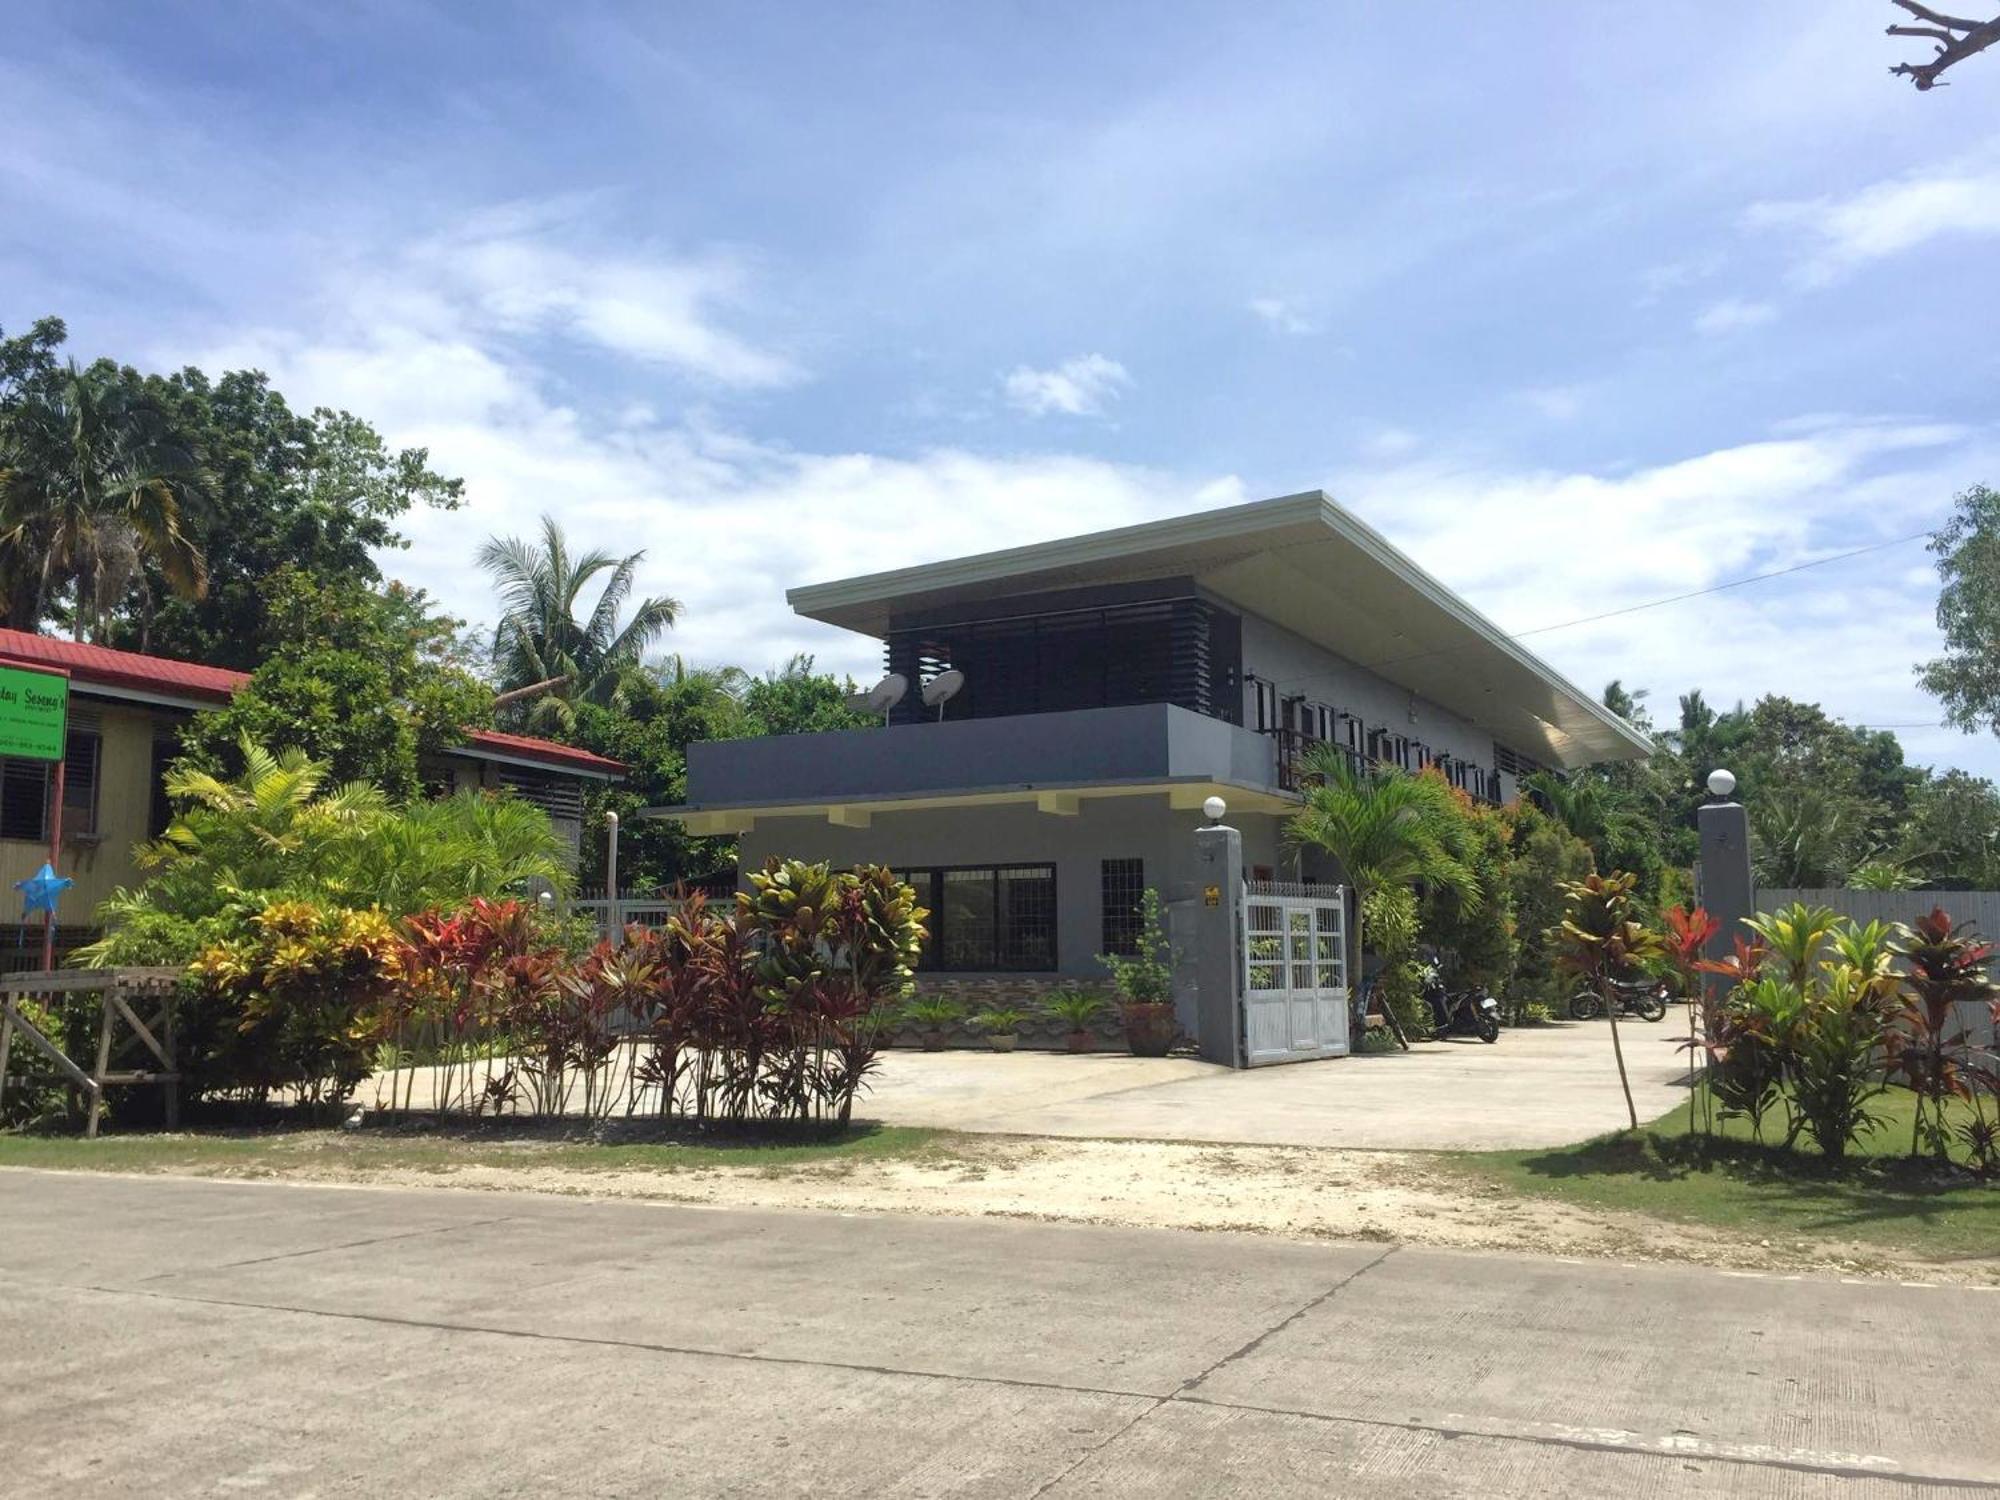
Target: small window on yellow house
point(25, 785)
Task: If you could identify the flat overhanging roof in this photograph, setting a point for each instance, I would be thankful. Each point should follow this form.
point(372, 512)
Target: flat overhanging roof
point(1306, 564)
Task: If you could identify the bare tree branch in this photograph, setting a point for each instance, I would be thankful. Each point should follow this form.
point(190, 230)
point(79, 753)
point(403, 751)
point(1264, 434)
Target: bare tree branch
point(1957, 40)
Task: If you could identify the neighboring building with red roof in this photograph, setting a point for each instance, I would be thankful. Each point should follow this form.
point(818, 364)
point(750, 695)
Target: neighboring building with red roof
point(124, 710)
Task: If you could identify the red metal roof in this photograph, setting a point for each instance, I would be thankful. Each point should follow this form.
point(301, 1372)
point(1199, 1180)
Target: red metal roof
point(105, 667)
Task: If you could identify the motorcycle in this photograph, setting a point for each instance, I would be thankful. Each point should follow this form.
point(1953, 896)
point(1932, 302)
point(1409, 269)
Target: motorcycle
point(1644, 998)
point(1469, 1012)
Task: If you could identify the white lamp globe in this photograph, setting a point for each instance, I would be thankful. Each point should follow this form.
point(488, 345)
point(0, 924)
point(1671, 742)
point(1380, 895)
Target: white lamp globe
point(1215, 807)
point(1721, 783)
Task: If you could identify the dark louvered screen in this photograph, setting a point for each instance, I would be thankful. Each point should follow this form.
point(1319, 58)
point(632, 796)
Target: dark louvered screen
point(1178, 650)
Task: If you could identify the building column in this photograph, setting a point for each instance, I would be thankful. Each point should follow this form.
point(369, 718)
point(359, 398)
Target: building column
point(1218, 962)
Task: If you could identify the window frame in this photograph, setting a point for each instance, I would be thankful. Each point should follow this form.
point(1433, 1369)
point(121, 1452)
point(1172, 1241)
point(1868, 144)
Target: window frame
point(1123, 945)
point(80, 819)
point(931, 894)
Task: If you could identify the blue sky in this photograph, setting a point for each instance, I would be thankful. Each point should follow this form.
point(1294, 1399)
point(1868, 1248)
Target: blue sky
point(1580, 305)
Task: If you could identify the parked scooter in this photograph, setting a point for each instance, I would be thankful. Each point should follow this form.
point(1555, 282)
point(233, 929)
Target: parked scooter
point(1469, 1012)
point(1644, 998)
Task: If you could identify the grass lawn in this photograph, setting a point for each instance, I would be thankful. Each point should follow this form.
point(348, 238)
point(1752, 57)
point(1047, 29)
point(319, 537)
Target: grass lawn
point(262, 1153)
point(1670, 1170)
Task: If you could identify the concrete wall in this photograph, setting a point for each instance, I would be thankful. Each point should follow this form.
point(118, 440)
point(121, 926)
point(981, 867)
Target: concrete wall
point(1296, 665)
point(1094, 746)
point(1141, 827)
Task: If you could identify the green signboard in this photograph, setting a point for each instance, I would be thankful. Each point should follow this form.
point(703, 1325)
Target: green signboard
point(34, 714)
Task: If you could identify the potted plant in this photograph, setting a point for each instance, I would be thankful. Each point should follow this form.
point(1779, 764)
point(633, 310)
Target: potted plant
point(1002, 1025)
point(932, 1015)
point(1144, 981)
point(1076, 1009)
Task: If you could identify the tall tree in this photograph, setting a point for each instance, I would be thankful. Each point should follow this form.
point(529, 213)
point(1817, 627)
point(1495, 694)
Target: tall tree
point(541, 640)
point(1966, 679)
point(368, 683)
point(319, 493)
point(94, 482)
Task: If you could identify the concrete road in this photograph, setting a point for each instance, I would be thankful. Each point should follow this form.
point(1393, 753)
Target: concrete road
point(1542, 1086)
point(177, 1338)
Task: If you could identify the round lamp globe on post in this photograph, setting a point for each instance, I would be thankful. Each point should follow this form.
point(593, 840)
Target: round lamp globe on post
point(1721, 783)
point(1215, 807)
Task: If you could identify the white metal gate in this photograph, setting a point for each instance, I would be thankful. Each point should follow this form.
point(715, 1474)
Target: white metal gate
point(1295, 972)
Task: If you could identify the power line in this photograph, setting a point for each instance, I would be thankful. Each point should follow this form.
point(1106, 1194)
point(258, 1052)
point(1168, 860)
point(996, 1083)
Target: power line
point(1629, 609)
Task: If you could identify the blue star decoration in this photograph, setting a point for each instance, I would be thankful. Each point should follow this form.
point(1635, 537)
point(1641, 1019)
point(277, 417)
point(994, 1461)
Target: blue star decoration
point(41, 890)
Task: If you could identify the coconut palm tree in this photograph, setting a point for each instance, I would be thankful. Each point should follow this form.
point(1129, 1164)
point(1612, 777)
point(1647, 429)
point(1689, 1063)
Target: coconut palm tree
point(93, 481)
point(540, 640)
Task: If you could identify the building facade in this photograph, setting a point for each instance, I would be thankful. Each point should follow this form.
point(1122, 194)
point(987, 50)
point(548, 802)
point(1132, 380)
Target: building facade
point(1111, 684)
point(125, 710)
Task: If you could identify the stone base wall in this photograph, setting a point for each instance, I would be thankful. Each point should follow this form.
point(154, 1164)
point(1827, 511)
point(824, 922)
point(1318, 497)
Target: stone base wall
point(1015, 992)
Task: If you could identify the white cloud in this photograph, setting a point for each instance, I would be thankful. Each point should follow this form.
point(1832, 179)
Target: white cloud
point(1537, 548)
point(1391, 442)
point(1559, 403)
point(1886, 218)
point(1079, 387)
point(1732, 315)
point(1282, 315)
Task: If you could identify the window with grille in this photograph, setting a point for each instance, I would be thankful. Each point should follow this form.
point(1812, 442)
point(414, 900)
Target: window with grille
point(24, 791)
point(987, 918)
point(1122, 883)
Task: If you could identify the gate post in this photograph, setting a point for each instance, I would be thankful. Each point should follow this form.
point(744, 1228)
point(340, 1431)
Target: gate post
point(1726, 888)
point(1218, 919)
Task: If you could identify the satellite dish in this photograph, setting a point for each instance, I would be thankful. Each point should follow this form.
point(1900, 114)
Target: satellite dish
point(886, 694)
point(942, 687)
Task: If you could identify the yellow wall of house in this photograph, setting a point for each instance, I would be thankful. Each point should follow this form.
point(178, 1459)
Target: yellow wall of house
point(104, 861)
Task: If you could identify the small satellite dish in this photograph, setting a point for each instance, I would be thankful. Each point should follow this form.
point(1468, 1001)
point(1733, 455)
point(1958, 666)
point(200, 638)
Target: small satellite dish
point(886, 694)
point(941, 687)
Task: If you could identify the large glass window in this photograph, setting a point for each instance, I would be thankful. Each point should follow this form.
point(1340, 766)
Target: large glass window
point(987, 918)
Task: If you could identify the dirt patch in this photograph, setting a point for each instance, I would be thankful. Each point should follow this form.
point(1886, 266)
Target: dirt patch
point(1301, 1193)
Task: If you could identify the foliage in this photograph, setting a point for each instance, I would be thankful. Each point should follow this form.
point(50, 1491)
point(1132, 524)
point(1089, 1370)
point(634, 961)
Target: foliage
point(1146, 976)
point(369, 683)
point(249, 486)
point(1947, 967)
point(1473, 924)
point(1383, 826)
point(1544, 857)
point(1600, 940)
point(1000, 1020)
point(93, 478)
point(319, 494)
point(1389, 916)
point(1966, 679)
point(540, 638)
point(1076, 1009)
point(281, 829)
point(932, 1012)
point(663, 707)
point(288, 1000)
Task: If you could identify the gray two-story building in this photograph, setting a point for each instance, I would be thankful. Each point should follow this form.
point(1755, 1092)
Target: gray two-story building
point(1111, 684)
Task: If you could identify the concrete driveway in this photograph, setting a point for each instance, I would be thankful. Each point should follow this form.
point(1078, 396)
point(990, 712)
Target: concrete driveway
point(1541, 1086)
point(165, 1338)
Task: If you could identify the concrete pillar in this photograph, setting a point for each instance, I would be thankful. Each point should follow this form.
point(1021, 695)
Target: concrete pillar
point(1218, 944)
point(1724, 884)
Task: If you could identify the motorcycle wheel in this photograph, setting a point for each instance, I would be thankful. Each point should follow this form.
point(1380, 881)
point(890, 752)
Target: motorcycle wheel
point(1489, 1029)
point(1583, 1006)
point(1650, 1007)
